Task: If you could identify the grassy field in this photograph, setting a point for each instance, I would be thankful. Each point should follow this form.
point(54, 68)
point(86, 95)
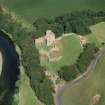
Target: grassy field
point(82, 93)
point(37, 8)
point(70, 50)
point(26, 94)
point(98, 34)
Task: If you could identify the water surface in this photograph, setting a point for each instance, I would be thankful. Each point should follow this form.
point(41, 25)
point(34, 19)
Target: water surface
point(10, 71)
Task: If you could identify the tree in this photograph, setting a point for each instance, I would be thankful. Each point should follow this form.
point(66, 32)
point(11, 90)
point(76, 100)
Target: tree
point(86, 56)
point(57, 29)
point(68, 28)
point(68, 72)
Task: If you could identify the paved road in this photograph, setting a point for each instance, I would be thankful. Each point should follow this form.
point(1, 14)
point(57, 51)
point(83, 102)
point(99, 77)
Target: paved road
point(91, 68)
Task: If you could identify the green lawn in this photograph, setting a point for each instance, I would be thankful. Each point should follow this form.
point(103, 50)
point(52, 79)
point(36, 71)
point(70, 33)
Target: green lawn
point(82, 93)
point(26, 94)
point(98, 34)
point(70, 50)
point(33, 8)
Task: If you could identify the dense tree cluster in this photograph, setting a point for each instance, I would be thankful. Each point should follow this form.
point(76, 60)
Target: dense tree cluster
point(68, 72)
point(86, 56)
point(76, 22)
point(22, 34)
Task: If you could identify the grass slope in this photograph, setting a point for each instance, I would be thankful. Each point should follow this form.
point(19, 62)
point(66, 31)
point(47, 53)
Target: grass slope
point(82, 93)
point(26, 94)
point(32, 8)
point(98, 34)
point(70, 50)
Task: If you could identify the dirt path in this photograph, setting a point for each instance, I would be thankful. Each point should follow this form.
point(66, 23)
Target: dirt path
point(91, 68)
point(0, 63)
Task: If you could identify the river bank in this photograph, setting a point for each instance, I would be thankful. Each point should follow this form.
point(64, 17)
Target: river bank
point(1, 63)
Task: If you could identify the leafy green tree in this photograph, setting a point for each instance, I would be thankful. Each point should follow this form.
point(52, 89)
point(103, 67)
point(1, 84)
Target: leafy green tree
point(86, 56)
point(68, 28)
point(57, 29)
point(68, 72)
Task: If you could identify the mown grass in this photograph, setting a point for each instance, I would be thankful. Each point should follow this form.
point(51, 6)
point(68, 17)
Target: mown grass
point(98, 34)
point(70, 49)
point(82, 93)
point(37, 8)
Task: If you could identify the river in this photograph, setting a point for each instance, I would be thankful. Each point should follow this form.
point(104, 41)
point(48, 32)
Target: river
point(10, 70)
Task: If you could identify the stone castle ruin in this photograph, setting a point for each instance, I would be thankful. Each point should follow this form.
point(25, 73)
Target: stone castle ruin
point(48, 40)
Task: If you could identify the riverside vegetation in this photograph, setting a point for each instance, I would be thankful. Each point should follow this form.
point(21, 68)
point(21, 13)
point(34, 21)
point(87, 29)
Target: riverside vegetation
point(22, 34)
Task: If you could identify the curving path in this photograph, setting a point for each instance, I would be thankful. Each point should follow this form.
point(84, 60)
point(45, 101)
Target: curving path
point(1, 63)
point(91, 68)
